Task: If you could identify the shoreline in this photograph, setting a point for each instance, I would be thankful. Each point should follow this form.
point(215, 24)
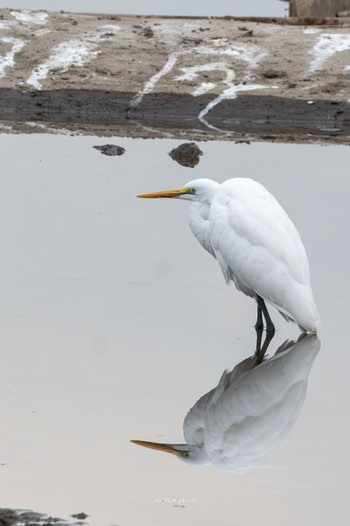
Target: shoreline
point(186, 77)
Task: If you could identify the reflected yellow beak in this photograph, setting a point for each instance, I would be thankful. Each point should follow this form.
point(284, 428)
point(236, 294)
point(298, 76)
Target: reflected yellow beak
point(166, 193)
point(167, 448)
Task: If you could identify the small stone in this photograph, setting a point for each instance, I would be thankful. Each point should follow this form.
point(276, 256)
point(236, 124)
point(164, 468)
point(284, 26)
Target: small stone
point(248, 33)
point(110, 149)
point(80, 516)
point(274, 74)
point(186, 154)
point(148, 32)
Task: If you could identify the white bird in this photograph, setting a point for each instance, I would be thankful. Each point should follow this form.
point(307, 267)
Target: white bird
point(236, 425)
point(256, 244)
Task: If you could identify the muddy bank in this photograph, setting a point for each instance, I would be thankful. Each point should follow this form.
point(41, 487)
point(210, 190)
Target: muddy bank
point(10, 517)
point(269, 118)
point(189, 78)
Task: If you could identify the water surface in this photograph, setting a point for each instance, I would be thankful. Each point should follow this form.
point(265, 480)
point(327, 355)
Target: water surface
point(114, 321)
point(155, 7)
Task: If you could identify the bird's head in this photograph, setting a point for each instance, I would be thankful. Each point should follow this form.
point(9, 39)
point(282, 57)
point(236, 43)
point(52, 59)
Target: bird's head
point(191, 454)
point(196, 190)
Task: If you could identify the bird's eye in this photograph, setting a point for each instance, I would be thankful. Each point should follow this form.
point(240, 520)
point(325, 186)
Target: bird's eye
point(186, 455)
point(193, 190)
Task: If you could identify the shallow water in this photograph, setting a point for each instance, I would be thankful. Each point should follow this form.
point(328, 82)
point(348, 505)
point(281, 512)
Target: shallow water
point(166, 7)
point(114, 322)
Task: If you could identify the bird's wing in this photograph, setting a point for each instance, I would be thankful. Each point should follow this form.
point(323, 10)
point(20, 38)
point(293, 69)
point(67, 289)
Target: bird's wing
point(259, 408)
point(246, 219)
point(256, 243)
point(194, 422)
point(256, 436)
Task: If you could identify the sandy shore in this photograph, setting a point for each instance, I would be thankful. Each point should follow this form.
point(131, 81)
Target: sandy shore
point(193, 78)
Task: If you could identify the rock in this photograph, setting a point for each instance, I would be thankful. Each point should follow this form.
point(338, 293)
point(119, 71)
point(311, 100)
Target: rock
point(10, 517)
point(7, 517)
point(187, 154)
point(274, 74)
point(110, 149)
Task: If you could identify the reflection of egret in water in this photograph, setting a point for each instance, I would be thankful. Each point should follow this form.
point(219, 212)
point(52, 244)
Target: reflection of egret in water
point(238, 423)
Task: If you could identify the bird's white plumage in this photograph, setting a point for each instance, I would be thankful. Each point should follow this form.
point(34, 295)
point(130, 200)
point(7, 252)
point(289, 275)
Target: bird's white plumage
point(256, 244)
point(237, 424)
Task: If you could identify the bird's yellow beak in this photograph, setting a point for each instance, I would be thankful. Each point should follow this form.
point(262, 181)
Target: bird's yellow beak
point(167, 448)
point(167, 193)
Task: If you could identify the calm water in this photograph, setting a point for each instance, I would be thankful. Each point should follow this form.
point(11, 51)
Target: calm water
point(114, 322)
point(164, 7)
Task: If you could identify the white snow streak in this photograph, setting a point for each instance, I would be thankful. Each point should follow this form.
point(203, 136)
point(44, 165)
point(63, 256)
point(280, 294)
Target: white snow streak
point(326, 46)
point(30, 16)
point(248, 53)
point(76, 52)
point(8, 60)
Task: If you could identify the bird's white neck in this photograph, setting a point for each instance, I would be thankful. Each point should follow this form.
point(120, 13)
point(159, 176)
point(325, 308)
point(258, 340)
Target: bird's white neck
point(199, 223)
point(200, 210)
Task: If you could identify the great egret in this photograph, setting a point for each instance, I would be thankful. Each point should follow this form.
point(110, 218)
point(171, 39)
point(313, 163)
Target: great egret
point(256, 244)
point(236, 425)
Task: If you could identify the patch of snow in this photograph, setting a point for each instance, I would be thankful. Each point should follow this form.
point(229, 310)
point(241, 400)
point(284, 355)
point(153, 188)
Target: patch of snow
point(326, 46)
point(32, 17)
point(65, 55)
point(8, 60)
point(204, 88)
point(191, 73)
point(311, 31)
point(150, 84)
point(228, 94)
point(249, 53)
point(47, 129)
point(76, 52)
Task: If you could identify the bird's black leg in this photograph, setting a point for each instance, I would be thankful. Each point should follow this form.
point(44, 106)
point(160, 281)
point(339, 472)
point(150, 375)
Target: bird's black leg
point(269, 325)
point(270, 330)
point(259, 321)
point(260, 352)
point(259, 329)
point(258, 339)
